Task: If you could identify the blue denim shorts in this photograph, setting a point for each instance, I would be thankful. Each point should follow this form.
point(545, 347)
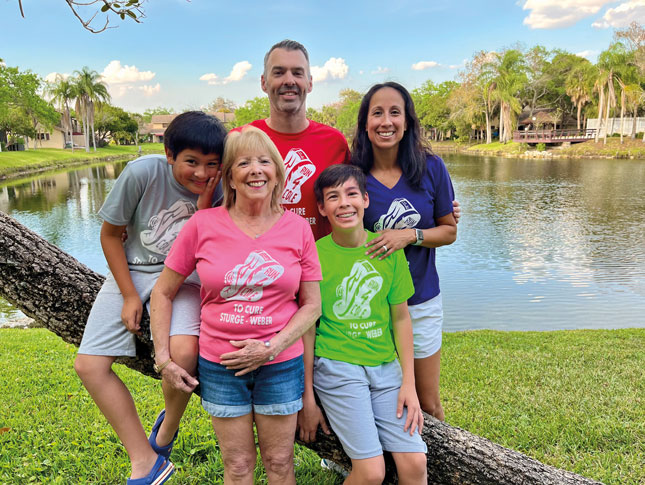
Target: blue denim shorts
point(273, 389)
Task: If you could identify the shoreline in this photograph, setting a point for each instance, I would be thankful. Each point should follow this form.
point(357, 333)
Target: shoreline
point(23, 172)
point(613, 150)
point(17, 165)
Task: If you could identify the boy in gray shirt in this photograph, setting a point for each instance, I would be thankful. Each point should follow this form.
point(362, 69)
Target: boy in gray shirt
point(151, 200)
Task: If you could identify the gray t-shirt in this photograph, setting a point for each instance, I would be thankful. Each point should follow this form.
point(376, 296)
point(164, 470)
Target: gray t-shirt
point(154, 206)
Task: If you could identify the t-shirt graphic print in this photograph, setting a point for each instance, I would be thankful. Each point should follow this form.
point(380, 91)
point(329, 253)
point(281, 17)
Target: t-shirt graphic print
point(299, 168)
point(165, 226)
point(246, 281)
point(356, 291)
point(400, 215)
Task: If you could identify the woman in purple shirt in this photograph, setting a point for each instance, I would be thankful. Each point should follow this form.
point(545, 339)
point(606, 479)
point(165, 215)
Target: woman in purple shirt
point(411, 207)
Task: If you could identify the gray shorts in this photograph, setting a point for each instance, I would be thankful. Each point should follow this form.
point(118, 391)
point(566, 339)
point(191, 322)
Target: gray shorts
point(360, 402)
point(427, 320)
point(105, 333)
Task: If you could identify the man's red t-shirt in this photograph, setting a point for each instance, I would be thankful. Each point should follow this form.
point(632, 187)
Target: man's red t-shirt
point(305, 155)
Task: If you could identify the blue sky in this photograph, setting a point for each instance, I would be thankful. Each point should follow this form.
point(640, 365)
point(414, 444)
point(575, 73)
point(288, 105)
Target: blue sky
point(186, 54)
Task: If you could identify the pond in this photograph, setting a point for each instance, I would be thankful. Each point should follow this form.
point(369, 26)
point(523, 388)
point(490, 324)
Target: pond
point(542, 245)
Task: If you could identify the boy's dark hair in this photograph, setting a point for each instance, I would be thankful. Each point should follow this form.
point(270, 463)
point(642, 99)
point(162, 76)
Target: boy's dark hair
point(336, 175)
point(195, 130)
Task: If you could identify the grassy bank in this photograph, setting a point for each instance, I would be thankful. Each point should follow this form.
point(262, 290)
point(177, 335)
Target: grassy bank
point(31, 161)
point(612, 149)
point(572, 399)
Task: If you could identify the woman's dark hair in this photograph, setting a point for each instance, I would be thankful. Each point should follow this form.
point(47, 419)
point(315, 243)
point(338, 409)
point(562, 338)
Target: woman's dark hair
point(413, 150)
point(195, 130)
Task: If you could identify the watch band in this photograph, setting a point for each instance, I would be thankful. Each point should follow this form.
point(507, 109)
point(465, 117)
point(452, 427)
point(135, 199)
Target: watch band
point(419, 240)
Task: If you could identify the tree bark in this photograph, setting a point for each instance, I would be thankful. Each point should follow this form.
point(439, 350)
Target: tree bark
point(52, 287)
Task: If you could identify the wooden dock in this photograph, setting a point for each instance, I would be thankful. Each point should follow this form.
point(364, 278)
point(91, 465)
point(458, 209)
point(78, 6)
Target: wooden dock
point(553, 136)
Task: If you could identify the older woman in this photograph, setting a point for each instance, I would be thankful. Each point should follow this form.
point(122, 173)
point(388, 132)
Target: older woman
point(411, 207)
point(260, 292)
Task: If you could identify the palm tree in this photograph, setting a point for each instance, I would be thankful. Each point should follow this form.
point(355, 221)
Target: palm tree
point(62, 92)
point(90, 90)
point(508, 72)
point(634, 97)
point(579, 86)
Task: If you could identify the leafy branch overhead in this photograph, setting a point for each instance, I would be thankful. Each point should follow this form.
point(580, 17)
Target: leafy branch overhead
point(86, 12)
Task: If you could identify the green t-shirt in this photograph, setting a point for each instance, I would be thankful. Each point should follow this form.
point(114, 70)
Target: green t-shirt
point(357, 292)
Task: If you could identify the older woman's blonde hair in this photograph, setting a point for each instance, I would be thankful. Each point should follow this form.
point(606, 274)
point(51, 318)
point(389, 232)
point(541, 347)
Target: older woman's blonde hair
point(250, 139)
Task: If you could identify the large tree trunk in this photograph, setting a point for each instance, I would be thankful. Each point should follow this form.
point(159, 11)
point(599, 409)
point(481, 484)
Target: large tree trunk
point(51, 286)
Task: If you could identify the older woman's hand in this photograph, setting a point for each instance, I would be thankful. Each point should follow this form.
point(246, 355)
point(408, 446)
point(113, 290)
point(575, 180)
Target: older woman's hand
point(252, 354)
point(178, 378)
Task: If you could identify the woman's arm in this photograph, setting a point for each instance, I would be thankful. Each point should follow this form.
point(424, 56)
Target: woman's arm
point(112, 245)
point(161, 298)
point(253, 353)
point(443, 234)
point(407, 394)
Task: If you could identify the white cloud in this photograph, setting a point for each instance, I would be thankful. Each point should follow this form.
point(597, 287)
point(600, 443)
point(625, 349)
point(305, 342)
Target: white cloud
point(381, 70)
point(52, 76)
point(588, 54)
point(622, 15)
point(554, 14)
point(150, 90)
point(210, 78)
point(420, 66)
point(238, 73)
point(120, 90)
point(115, 73)
point(334, 68)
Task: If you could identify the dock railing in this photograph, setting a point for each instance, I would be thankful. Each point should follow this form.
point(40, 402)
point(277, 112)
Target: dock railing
point(553, 136)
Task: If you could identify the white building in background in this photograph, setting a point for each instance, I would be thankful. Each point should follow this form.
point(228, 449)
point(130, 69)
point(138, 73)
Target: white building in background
point(613, 125)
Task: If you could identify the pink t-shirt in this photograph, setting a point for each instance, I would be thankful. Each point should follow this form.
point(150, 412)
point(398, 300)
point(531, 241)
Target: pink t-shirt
point(249, 285)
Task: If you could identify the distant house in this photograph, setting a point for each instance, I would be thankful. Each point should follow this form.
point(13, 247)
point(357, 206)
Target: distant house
point(58, 137)
point(158, 124)
point(544, 119)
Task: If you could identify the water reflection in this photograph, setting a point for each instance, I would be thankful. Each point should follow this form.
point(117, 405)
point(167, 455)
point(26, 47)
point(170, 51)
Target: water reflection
point(543, 244)
point(546, 244)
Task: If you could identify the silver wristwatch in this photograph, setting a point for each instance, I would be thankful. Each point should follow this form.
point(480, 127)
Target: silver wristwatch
point(419, 240)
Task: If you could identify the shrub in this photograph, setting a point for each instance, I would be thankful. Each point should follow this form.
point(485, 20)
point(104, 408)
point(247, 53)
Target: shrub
point(541, 147)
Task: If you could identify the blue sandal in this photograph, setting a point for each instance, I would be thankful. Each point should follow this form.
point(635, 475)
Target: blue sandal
point(160, 473)
point(152, 439)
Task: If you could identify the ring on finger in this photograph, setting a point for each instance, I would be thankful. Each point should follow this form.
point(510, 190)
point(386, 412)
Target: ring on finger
point(384, 248)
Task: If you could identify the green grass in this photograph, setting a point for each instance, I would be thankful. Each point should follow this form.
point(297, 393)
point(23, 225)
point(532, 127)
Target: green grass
point(496, 147)
point(13, 163)
point(628, 149)
point(572, 399)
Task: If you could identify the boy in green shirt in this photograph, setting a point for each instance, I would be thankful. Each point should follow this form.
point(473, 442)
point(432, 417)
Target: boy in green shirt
point(369, 396)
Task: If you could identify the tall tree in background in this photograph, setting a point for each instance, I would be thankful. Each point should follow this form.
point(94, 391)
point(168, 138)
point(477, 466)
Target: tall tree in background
point(431, 103)
point(508, 71)
point(90, 90)
point(254, 109)
point(62, 93)
point(23, 112)
point(579, 86)
point(221, 105)
point(634, 38)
